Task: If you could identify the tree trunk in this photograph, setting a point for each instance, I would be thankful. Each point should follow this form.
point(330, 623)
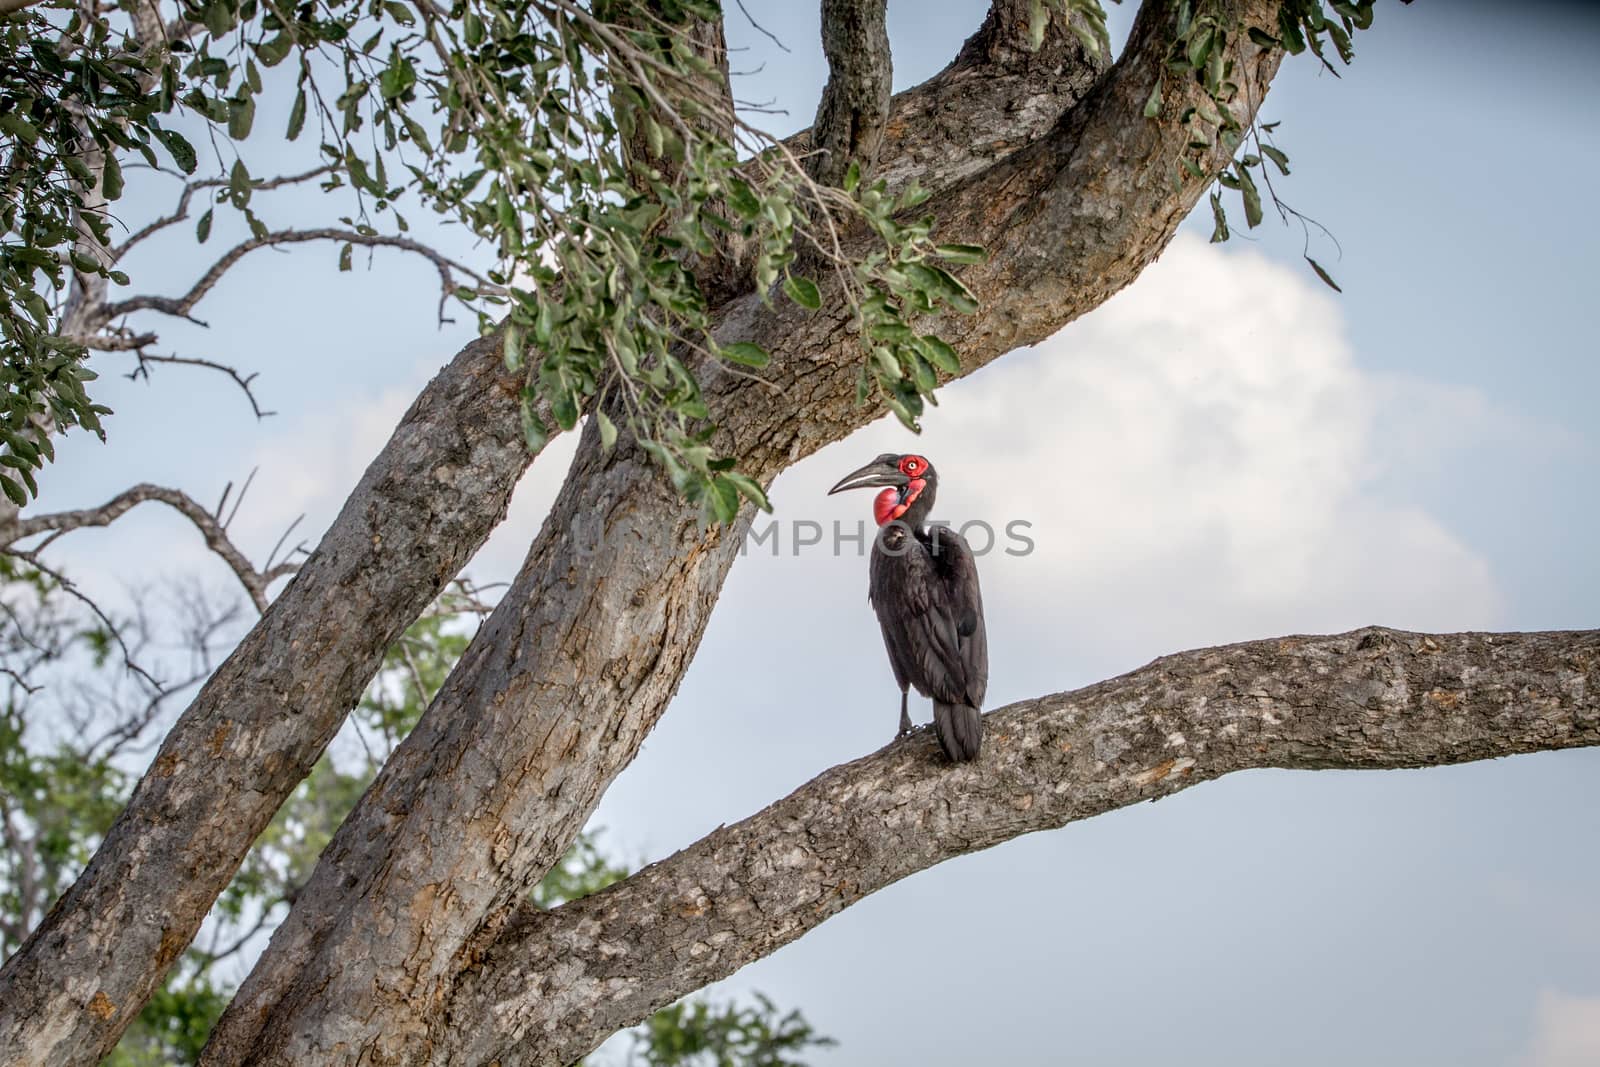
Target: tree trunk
point(557, 983)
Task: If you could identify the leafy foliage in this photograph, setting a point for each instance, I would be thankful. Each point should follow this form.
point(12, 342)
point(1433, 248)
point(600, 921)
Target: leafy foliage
point(693, 1033)
point(593, 145)
point(1200, 52)
point(75, 94)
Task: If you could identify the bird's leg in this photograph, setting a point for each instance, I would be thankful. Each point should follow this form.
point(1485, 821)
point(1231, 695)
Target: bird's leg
point(905, 717)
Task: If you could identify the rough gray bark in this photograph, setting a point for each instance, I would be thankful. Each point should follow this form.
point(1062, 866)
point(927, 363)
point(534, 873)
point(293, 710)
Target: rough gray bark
point(557, 983)
point(569, 674)
point(424, 506)
point(855, 101)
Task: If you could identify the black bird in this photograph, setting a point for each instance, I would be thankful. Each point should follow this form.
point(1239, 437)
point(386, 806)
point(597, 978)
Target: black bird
point(924, 587)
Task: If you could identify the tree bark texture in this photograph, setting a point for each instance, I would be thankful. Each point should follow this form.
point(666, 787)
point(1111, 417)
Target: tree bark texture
point(855, 100)
point(557, 983)
point(413, 918)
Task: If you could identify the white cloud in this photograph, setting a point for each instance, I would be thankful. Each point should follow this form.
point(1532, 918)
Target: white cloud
point(1566, 1031)
point(1198, 458)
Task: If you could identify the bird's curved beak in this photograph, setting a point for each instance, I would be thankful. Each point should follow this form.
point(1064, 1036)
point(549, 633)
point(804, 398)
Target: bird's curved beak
point(871, 476)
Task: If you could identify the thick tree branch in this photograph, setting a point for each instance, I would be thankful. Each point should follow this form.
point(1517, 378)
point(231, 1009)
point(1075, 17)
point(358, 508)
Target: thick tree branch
point(855, 101)
point(559, 982)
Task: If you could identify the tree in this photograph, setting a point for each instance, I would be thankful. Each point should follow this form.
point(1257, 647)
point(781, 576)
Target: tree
point(425, 881)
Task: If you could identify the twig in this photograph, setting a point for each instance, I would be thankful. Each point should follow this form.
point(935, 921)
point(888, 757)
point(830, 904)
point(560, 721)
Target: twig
point(242, 380)
point(181, 306)
point(211, 528)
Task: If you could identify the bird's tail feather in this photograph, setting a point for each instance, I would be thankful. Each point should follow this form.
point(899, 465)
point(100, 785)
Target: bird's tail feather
point(960, 730)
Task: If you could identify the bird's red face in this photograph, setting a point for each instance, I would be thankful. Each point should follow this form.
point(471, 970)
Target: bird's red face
point(905, 478)
point(913, 466)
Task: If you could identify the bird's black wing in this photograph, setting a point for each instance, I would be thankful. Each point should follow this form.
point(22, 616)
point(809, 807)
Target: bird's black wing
point(958, 580)
point(929, 607)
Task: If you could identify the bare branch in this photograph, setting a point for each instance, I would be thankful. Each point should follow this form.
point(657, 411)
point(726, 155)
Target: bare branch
point(181, 212)
point(242, 380)
point(181, 306)
point(71, 589)
point(1369, 699)
point(855, 102)
point(214, 532)
point(762, 29)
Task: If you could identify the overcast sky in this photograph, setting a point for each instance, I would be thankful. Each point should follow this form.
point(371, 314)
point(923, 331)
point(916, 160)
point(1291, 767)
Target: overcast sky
point(1225, 450)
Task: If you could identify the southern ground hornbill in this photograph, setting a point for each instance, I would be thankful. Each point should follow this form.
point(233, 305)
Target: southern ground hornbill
point(924, 588)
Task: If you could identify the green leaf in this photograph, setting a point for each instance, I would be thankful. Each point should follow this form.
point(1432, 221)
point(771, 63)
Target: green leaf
point(743, 352)
point(202, 229)
point(852, 176)
point(940, 353)
point(1038, 20)
point(345, 255)
point(14, 491)
point(743, 199)
point(723, 498)
point(962, 253)
point(1277, 157)
point(1219, 230)
point(608, 430)
point(1152, 105)
point(182, 151)
point(533, 428)
point(564, 406)
point(1324, 275)
point(513, 348)
point(111, 177)
point(297, 115)
point(241, 116)
point(1264, 39)
point(1252, 196)
point(239, 183)
point(218, 17)
point(274, 51)
point(750, 488)
point(19, 127)
point(803, 291)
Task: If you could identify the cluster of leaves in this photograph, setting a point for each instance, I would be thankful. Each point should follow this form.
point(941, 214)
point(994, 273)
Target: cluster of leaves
point(1201, 52)
point(60, 792)
point(592, 143)
point(74, 95)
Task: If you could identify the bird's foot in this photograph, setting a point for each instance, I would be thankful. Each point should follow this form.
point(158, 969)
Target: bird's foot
point(905, 726)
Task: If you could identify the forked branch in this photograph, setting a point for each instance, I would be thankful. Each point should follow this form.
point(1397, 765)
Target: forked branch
point(211, 526)
point(1369, 699)
point(183, 306)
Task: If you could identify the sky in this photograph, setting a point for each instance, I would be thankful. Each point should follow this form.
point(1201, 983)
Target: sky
point(1225, 450)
